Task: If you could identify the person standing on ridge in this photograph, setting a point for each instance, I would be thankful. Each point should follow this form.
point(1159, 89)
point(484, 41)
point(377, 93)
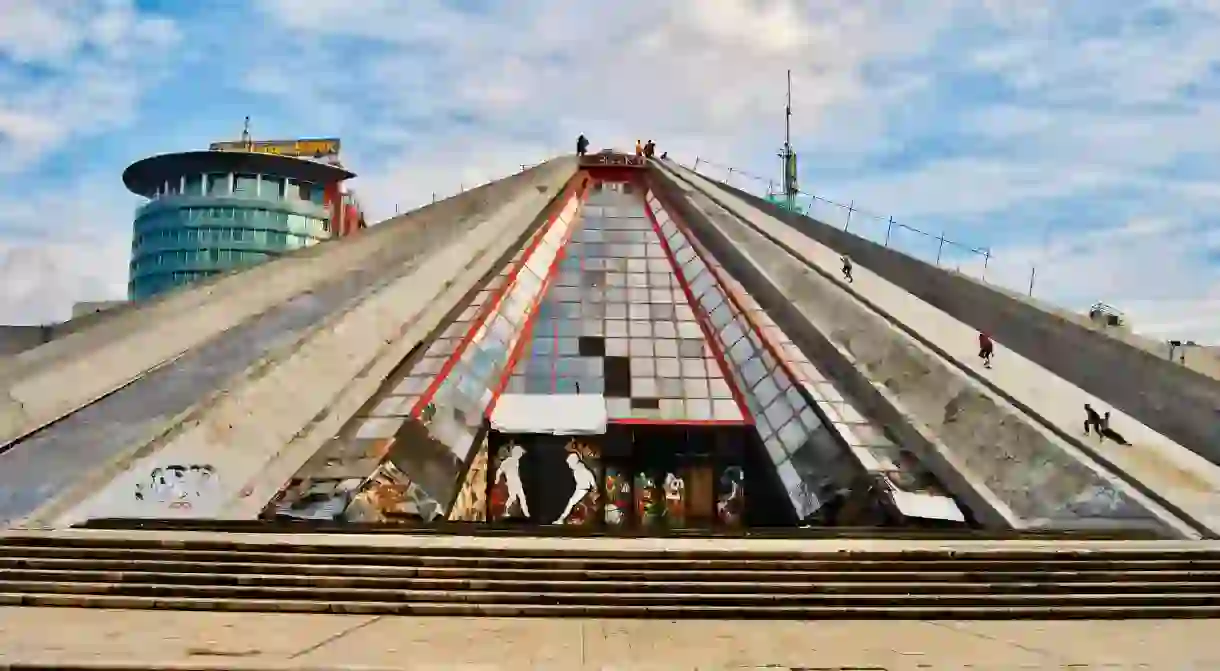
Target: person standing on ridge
point(649, 149)
point(986, 349)
point(639, 148)
point(582, 145)
point(846, 268)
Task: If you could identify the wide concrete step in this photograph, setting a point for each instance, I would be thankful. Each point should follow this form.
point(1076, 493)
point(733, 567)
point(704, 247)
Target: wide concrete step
point(236, 570)
point(878, 609)
point(494, 558)
point(302, 544)
point(607, 580)
point(86, 581)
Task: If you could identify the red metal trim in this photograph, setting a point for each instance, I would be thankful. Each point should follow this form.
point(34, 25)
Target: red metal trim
point(528, 329)
point(729, 293)
point(574, 188)
point(701, 316)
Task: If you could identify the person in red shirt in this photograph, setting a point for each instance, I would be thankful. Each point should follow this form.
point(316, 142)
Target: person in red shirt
point(986, 349)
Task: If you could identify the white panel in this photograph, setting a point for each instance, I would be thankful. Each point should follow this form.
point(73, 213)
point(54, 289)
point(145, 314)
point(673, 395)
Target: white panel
point(557, 414)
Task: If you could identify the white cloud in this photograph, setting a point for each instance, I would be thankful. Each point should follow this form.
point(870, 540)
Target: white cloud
point(85, 64)
point(68, 70)
point(949, 112)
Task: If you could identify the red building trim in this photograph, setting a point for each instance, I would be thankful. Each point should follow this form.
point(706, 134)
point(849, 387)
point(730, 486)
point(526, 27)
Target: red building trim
point(574, 189)
point(709, 333)
point(527, 329)
point(730, 295)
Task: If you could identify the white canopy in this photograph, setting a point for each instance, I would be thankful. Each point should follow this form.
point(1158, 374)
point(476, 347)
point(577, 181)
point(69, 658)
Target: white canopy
point(556, 414)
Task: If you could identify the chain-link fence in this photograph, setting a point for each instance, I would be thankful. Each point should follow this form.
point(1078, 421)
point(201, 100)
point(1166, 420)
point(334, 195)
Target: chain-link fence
point(976, 261)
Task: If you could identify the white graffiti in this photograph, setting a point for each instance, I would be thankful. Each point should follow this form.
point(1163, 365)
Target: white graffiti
point(509, 471)
point(178, 486)
point(584, 483)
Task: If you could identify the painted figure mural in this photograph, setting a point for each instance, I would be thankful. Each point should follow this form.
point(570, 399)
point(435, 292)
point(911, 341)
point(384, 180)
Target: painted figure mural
point(649, 505)
point(471, 502)
point(508, 491)
point(583, 502)
point(731, 503)
point(675, 500)
point(618, 496)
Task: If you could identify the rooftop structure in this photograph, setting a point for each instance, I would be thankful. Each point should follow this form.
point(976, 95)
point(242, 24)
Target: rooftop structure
point(236, 205)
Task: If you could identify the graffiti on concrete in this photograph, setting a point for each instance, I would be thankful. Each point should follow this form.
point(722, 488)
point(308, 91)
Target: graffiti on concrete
point(178, 486)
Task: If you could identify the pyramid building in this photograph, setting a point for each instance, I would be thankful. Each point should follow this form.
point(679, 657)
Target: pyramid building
point(604, 343)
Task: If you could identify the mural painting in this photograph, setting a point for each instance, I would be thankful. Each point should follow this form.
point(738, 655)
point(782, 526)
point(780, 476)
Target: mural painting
point(178, 487)
point(390, 495)
point(730, 505)
point(507, 496)
point(618, 497)
point(471, 502)
point(322, 499)
point(325, 485)
point(675, 500)
point(584, 501)
point(649, 503)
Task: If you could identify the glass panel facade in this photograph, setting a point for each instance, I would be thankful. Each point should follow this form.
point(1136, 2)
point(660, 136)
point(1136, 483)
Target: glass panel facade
point(175, 247)
point(615, 321)
point(809, 458)
point(438, 406)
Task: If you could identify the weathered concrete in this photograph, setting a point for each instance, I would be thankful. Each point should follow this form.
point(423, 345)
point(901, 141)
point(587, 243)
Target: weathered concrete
point(1176, 477)
point(991, 448)
point(51, 381)
point(114, 640)
point(1173, 400)
point(288, 400)
point(17, 339)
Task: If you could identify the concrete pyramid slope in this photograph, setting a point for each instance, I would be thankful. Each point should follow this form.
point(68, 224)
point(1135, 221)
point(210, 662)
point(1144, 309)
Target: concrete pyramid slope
point(123, 419)
point(1006, 438)
point(600, 312)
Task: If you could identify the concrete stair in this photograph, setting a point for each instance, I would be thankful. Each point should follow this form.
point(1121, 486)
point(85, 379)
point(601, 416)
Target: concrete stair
point(997, 583)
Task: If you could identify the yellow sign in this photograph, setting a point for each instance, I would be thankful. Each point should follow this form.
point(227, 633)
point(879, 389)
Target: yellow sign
point(306, 148)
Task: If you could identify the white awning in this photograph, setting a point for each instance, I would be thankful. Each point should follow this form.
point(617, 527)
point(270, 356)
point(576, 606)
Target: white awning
point(555, 414)
point(927, 506)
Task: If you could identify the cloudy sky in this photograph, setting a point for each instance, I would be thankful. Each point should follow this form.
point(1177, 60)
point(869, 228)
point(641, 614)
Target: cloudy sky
point(1079, 137)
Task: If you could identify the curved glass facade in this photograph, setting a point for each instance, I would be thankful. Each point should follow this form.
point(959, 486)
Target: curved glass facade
point(201, 225)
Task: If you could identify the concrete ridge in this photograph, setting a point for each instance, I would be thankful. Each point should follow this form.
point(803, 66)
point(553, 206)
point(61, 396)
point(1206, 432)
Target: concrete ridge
point(1161, 505)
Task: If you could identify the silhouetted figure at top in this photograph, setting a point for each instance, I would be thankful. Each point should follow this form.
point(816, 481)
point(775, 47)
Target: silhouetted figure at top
point(665, 155)
point(582, 145)
point(649, 149)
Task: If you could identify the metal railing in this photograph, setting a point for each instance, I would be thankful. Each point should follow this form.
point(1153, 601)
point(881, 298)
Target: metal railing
point(968, 259)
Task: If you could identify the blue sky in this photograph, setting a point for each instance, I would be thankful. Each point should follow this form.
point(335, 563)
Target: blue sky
point(1075, 136)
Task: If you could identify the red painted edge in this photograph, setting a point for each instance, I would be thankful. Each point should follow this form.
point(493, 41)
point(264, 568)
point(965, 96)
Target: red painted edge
point(730, 295)
point(701, 316)
point(527, 329)
point(574, 188)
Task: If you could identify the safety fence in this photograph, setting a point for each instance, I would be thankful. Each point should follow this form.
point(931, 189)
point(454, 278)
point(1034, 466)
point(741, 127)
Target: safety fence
point(968, 259)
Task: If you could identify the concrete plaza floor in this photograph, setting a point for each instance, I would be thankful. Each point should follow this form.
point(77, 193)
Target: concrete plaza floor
point(217, 640)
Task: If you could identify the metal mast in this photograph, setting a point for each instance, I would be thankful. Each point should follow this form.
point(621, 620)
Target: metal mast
point(786, 154)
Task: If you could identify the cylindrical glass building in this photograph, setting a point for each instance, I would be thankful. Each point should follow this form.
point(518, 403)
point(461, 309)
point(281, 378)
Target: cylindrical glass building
point(214, 211)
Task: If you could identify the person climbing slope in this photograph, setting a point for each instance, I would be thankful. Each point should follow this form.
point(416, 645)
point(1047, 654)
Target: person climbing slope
point(986, 349)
